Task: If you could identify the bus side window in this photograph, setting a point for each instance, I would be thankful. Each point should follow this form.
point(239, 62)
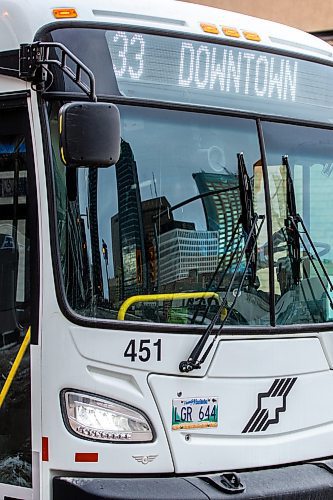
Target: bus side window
point(14, 240)
point(15, 301)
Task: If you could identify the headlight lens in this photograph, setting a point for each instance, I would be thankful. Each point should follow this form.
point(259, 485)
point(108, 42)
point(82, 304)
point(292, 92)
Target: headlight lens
point(100, 419)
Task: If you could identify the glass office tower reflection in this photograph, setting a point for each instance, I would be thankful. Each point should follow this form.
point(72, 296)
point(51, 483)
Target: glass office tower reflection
point(132, 264)
point(183, 251)
point(223, 208)
point(94, 235)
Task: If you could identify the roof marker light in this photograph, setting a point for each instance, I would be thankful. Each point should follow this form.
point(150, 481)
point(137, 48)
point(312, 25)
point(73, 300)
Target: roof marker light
point(64, 13)
point(249, 35)
point(230, 32)
point(209, 28)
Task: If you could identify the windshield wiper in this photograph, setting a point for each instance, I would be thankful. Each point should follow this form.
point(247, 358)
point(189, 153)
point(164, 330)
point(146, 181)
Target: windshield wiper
point(193, 198)
point(245, 220)
point(293, 239)
point(217, 269)
point(181, 204)
point(196, 358)
point(247, 217)
point(294, 236)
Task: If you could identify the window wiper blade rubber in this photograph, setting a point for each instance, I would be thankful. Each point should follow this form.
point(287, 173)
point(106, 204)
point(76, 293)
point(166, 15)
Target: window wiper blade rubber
point(294, 221)
point(245, 220)
point(218, 267)
point(292, 236)
point(196, 358)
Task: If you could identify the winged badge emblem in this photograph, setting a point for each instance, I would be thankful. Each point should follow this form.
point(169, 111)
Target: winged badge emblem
point(144, 459)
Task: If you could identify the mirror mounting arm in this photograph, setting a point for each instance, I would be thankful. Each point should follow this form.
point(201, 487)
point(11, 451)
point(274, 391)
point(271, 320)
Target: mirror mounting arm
point(35, 58)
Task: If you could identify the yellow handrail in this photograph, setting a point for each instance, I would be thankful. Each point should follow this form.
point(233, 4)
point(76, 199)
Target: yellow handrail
point(163, 296)
point(15, 366)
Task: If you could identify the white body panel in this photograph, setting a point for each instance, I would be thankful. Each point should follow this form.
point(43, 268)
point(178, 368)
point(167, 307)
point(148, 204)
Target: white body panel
point(106, 379)
point(258, 358)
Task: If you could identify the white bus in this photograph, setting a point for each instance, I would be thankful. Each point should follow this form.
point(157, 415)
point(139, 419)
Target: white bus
point(166, 254)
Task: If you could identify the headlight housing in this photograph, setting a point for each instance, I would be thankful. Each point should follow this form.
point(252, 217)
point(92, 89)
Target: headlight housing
point(101, 419)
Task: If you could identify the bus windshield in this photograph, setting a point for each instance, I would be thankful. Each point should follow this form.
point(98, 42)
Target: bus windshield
point(158, 237)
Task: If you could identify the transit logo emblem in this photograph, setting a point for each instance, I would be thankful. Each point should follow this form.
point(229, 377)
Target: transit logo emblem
point(270, 405)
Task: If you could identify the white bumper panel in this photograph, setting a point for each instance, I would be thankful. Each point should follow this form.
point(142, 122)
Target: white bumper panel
point(275, 406)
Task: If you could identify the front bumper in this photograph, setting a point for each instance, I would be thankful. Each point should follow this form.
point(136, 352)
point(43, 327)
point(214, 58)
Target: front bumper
point(313, 481)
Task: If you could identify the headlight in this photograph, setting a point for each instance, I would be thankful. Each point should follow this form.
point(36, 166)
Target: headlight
point(100, 419)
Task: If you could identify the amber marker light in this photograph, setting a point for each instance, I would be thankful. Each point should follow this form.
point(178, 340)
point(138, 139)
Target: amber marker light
point(230, 32)
point(209, 28)
point(249, 35)
point(64, 13)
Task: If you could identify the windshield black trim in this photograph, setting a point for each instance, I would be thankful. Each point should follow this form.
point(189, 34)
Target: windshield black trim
point(50, 185)
point(140, 326)
point(269, 225)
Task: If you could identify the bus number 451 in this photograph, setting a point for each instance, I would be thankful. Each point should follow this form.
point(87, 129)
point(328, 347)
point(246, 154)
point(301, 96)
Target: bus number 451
point(143, 350)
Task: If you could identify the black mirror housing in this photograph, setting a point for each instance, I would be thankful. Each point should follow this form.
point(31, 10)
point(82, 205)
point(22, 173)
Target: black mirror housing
point(89, 134)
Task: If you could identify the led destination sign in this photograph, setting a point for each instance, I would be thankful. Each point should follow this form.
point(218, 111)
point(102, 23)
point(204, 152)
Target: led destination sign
point(237, 72)
point(172, 69)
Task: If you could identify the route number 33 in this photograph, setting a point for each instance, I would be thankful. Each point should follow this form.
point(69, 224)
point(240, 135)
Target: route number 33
point(143, 350)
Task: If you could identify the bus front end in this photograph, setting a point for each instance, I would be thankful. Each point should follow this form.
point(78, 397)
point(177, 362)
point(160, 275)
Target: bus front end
point(167, 244)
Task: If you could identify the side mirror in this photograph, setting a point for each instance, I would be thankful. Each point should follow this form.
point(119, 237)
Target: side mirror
point(89, 134)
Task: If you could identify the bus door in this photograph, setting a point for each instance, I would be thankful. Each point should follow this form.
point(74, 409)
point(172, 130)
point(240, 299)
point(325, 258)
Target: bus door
point(18, 306)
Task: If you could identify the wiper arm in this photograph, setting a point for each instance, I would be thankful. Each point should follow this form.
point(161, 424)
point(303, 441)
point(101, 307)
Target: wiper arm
point(247, 216)
point(194, 198)
point(293, 243)
point(245, 219)
point(171, 209)
point(217, 269)
point(294, 236)
point(294, 221)
point(196, 358)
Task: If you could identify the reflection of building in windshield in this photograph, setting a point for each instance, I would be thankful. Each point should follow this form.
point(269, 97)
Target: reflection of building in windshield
point(174, 248)
point(183, 250)
point(175, 251)
point(222, 210)
point(155, 213)
point(116, 282)
point(132, 265)
point(150, 249)
point(94, 235)
point(77, 264)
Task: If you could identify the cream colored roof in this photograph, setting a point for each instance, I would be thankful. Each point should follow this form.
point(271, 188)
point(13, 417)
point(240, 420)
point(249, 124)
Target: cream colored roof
point(21, 19)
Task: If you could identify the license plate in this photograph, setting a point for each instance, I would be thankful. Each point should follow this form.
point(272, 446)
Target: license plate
point(194, 413)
